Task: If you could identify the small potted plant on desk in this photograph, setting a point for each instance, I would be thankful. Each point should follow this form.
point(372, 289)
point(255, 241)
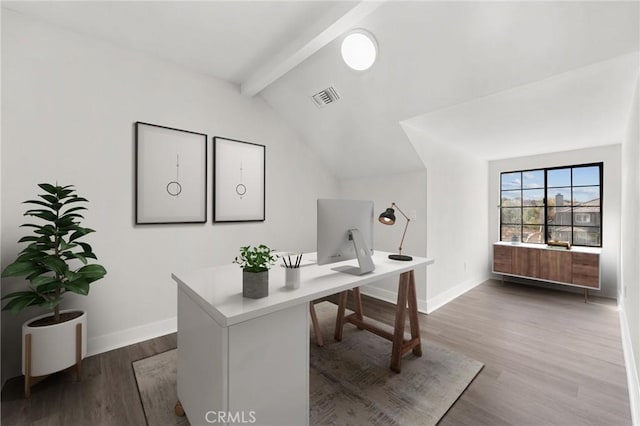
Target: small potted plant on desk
point(54, 262)
point(255, 263)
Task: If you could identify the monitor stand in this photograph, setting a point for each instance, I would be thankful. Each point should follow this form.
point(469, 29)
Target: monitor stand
point(365, 263)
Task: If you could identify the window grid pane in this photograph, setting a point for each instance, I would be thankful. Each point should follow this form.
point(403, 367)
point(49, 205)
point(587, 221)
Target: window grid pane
point(533, 215)
point(558, 178)
point(533, 197)
point(586, 196)
point(552, 204)
point(512, 198)
point(559, 233)
point(533, 234)
point(511, 180)
point(586, 236)
point(586, 176)
point(533, 179)
point(511, 233)
point(511, 216)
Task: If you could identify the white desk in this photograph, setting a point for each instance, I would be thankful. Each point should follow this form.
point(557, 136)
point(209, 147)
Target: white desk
point(250, 357)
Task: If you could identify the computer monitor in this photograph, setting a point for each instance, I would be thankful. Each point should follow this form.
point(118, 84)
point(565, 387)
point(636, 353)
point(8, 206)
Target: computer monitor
point(345, 231)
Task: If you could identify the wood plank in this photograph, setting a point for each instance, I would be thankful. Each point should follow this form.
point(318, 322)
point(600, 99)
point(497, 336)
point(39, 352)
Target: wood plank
point(503, 259)
point(585, 269)
point(549, 359)
point(342, 303)
point(316, 326)
point(357, 300)
point(555, 265)
point(353, 319)
point(108, 391)
point(526, 262)
point(399, 323)
point(414, 319)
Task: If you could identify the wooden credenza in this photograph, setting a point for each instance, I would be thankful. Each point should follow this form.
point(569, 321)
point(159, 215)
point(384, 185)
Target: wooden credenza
point(578, 267)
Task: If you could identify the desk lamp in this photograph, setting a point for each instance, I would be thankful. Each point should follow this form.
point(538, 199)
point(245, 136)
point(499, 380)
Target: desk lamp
point(388, 217)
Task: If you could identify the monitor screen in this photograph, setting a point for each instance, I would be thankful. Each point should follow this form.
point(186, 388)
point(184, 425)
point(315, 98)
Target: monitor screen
point(335, 219)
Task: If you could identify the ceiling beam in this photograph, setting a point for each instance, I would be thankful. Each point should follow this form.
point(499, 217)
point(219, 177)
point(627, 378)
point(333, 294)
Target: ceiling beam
point(315, 38)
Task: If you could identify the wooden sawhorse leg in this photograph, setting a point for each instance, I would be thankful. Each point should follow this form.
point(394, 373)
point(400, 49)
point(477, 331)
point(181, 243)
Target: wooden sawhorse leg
point(342, 305)
point(316, 325)
point(407, 298)
point(178, 409)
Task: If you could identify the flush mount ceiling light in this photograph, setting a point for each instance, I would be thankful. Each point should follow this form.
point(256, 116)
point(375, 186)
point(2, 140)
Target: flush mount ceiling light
point(359, 49)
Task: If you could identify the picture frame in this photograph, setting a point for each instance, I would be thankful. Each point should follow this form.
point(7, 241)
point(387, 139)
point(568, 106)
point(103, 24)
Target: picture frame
point(170, 174)
point(238, 180)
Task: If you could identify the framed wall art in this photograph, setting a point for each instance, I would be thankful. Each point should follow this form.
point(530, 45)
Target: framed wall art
point(238, 181)
point(171, 175)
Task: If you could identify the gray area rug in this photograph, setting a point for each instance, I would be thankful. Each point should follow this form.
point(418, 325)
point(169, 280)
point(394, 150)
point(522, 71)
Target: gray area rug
point(350, 381)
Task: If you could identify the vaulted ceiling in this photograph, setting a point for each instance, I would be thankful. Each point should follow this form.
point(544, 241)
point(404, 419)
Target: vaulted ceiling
point(436, 57)
point(494, 79)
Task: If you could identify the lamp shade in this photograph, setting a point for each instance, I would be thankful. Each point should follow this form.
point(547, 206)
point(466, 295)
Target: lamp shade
point(387, 217)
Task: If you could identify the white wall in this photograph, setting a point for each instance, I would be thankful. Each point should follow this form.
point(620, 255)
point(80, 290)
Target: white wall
point(409, 192)
point(629, 297)
point(69, 104)
point(610, 155)
point(456, 219)
point(449, 198)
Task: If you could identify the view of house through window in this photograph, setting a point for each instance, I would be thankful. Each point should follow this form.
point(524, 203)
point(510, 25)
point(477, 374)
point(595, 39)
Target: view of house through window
point(560, 203)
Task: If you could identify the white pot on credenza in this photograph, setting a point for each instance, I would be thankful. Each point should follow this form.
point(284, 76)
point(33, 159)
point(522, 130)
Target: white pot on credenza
point(54, 347)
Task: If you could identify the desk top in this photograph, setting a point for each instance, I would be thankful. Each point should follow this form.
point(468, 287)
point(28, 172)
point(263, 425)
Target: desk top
point(218, 289)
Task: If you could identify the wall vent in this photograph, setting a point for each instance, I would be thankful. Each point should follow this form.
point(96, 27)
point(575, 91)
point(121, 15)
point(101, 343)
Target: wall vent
point(325, 97)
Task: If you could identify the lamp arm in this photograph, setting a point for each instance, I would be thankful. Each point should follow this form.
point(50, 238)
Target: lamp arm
point(396, 206)
point(405, 226)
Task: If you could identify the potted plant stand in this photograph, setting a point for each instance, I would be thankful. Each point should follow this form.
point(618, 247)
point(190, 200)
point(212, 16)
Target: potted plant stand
point(47, 349)
point(55, 262)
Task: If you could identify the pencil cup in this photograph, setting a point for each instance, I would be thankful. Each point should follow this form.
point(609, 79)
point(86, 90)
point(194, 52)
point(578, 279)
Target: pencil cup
point(292, 278)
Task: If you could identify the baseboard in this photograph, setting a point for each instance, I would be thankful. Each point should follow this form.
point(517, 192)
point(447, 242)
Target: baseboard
point(108, 342)
point(389, 296)
point(424, 306)
point(632, 373)
point(442, 299)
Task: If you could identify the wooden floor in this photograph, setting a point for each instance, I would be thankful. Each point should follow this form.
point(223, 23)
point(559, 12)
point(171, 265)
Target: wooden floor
point(550, 359)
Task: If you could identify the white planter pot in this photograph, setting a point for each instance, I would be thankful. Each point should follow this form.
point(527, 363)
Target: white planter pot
point(53, 347)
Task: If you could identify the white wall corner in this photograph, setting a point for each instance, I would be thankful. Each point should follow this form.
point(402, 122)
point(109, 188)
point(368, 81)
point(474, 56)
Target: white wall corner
point(107, 342)
point(447, 296)
point(630, 365)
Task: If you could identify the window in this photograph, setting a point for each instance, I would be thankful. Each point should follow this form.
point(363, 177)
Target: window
point(560, 203)
point(582, 218)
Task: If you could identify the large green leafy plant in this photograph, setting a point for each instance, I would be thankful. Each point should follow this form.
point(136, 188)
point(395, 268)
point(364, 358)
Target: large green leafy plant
point(54, 250)
point(256, 259)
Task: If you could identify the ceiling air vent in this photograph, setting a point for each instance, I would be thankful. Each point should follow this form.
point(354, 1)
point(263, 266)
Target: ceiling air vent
point(325, 97)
